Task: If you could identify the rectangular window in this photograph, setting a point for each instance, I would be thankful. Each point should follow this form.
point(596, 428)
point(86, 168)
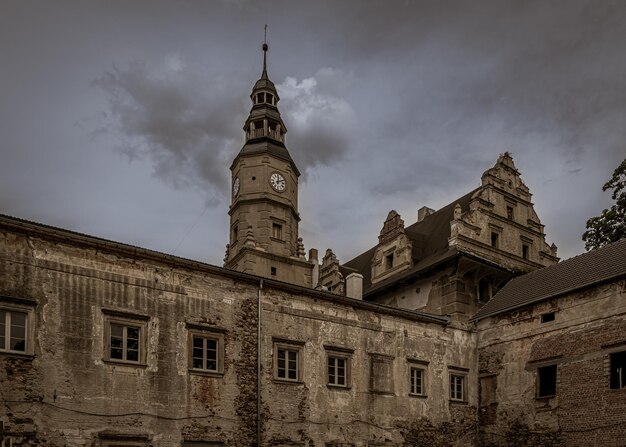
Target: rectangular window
point(125, 342)
point(618, 370)
point(457, 387)
point(13, 331)
point(337, 371)
point(287, 361)
point(338, 366)
point(416, 381)
point(546, 377)
point(277, 231)
point(206, 349)
point(125, 336)
point(509, 212)
point(381, 374)
point(494, 239)
point(204, 353)
point(547, 317)
point(273, 271)
point(389, 261)
point(235, 233)
point(524, 251)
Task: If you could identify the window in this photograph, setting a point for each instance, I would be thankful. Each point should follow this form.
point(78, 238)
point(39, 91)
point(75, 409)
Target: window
point(337, 371)
point(235, 233)
point(207, 349)
point(509, 212)
point(125, 337)
point(546, 377)
point(277, 231)
point(287, 360)
point(338, 366)
point(273, 271)
point(524, 251)
point(389, 261)
point(13, 330)
point(125, 342)
point(416, 380)
point(618, 370)
point(457, 387)
point(547, 317)
point(494, 239)
point(16, 325)
point(381, 374)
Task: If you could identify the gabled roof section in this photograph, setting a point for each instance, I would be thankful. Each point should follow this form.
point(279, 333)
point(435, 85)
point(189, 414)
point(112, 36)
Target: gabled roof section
point(597, 266)
point(429, 240)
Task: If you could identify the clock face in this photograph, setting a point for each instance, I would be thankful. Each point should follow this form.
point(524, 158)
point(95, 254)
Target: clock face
point(278, 182)
point(236, 186)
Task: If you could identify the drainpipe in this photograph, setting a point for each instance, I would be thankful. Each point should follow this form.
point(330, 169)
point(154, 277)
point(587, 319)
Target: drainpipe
point(258, 367)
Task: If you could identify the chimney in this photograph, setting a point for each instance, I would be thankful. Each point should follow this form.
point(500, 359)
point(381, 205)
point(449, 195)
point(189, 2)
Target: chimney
point(354, 286)
point(423, 212)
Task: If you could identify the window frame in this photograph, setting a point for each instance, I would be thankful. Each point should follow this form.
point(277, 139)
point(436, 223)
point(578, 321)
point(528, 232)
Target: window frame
point(125, 319)
point(206, 333)
point(421, 365)
point(538, 393)
point(457, 373)
point(288, 346)
point(339, 353)
point(12, 305)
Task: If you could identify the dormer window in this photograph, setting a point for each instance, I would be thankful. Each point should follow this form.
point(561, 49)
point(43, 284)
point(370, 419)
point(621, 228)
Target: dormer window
point(389, 261)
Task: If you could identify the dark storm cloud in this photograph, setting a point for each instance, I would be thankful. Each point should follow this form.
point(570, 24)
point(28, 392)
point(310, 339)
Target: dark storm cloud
point(183, 121)
point(188, 123)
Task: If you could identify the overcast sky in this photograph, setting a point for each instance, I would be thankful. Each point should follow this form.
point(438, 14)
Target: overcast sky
point(120, 119)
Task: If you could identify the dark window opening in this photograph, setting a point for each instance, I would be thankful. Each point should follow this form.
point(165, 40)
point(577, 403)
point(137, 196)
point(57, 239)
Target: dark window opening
point(545, 318)
point(258, 124)
point(524, 251)
point(509, 212)
point(484, 290)
point(235, 233)
point(273, 271)
point(270, 98)
point(618, 370)
point(547, 381)
point(389, 261)
point(494, 239)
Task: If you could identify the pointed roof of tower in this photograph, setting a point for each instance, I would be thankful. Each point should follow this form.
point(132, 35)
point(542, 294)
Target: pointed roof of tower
point(271, 141)
point(264, 83)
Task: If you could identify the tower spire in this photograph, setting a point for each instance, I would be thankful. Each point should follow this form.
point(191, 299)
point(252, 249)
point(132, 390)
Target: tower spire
point(265, 48)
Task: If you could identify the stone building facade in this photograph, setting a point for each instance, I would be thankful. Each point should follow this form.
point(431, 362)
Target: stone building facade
point(433, 337)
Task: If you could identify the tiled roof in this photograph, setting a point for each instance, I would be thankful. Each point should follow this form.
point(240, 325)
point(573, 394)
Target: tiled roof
point(584, 270)
point(429, 240)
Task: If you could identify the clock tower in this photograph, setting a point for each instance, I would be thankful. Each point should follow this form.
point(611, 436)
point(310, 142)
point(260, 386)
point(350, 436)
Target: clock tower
point(264, 207)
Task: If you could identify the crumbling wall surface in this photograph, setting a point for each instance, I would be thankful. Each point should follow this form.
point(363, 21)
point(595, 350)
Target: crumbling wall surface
point(589, 326)
point(368, 411)
point(67, 393)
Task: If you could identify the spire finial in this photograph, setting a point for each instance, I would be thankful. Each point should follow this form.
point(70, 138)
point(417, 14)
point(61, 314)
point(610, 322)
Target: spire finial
point(265, 47)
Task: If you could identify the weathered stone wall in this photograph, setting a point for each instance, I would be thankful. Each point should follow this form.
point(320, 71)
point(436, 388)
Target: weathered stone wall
point(589, 325)
point(68, 394)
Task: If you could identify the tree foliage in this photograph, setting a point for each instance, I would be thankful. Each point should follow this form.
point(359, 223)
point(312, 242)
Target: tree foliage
point(610, 226)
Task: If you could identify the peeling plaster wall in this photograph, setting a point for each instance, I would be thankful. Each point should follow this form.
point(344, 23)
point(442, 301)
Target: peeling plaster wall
point(589, 325)
point(67, 394)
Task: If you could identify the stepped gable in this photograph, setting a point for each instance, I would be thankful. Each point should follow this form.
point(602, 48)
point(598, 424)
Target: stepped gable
point(430, 244)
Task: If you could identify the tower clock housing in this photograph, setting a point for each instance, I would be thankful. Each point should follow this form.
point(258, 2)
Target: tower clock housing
point(264, 214)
